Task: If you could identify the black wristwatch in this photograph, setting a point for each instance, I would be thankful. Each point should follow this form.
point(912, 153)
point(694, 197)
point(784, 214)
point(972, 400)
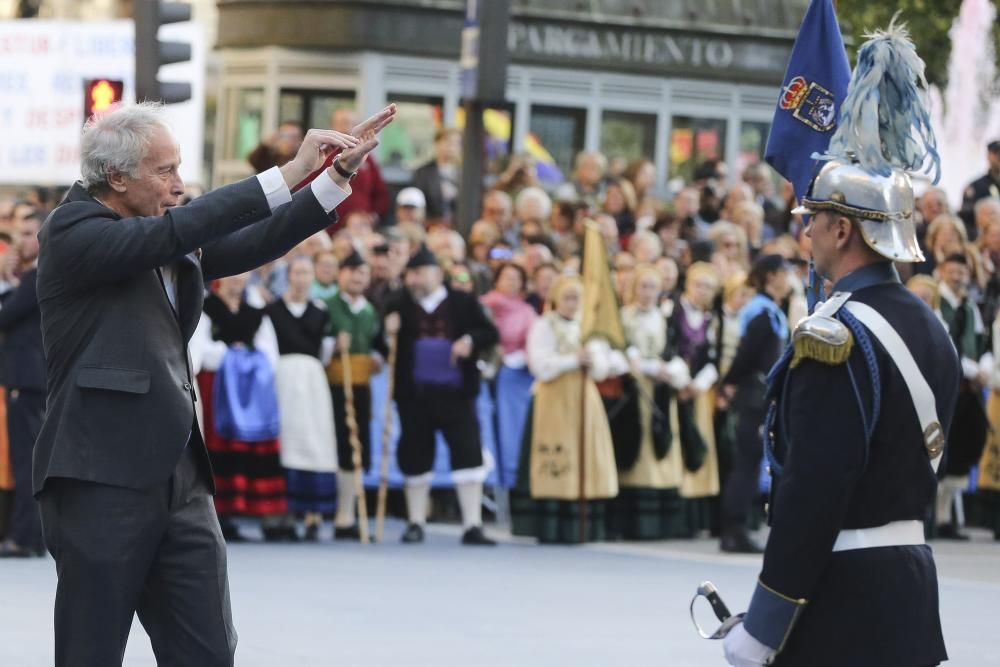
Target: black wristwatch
point(339, 168)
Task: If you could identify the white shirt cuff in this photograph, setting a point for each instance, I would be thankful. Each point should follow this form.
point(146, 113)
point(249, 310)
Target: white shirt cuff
point(515, 359)
point(275, 188)
point(328, 194)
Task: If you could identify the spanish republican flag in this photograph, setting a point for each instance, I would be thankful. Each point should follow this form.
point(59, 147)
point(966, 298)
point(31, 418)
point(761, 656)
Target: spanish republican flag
point(601, 316)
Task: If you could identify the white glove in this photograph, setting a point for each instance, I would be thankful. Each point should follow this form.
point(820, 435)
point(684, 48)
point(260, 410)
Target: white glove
point(986, 366)
point(675, 373)
point(705, 378)
point(970, 369)
point(743, 650)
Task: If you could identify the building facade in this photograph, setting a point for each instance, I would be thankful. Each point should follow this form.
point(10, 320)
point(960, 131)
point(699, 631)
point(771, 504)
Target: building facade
point(673, 81)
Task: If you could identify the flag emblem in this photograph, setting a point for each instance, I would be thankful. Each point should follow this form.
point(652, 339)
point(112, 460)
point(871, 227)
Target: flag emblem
point(809, 103)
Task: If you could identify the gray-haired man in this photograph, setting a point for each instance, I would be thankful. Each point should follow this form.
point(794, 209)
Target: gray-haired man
point(120, 468)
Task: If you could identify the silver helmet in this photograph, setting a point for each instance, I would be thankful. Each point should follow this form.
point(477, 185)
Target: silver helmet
point(882, 136)
point(882, 205)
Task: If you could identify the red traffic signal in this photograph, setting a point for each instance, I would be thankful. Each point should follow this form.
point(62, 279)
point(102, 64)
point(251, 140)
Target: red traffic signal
point(100, 95)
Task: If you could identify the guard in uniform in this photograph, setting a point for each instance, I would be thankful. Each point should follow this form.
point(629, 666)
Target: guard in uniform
point(987, 185)
point(860, 407)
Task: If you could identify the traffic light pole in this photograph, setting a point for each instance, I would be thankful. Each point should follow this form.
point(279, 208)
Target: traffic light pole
point(484, 65)
point(151, 53)
point(470, 195)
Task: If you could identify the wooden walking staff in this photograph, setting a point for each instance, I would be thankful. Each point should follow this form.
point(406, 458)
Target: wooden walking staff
point(383, 476)
point(352, 428)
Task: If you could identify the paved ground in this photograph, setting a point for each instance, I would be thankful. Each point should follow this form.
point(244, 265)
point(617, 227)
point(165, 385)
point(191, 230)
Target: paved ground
point(518, 604)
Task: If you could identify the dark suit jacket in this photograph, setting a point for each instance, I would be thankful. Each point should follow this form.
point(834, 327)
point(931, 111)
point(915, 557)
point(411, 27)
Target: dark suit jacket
point(22, 362)
point(120, 396)
point(428, 179)
point(466, 316)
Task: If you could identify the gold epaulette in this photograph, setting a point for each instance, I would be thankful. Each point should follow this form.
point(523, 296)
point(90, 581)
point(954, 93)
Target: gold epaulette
point(824, 339)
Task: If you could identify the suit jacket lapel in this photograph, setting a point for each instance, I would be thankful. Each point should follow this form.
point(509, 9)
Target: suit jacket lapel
point(190, 294)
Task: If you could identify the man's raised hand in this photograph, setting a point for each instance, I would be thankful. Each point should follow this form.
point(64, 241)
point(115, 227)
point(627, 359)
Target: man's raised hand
point(375, 123)
point(367, 134)
point(315, 149)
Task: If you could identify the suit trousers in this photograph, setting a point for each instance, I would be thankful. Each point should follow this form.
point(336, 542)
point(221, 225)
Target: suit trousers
point(157, 552)
point(25, 409)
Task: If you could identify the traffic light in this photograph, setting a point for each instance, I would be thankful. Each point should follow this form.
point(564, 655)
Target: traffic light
point(100, 94)
point(151, 53)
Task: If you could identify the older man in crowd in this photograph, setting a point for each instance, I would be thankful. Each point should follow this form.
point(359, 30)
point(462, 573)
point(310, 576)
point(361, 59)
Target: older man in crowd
point(120, 470)
point(368, 190)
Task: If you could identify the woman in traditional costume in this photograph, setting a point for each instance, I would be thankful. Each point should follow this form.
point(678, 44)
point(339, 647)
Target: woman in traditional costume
point(648, 506)
point(513, 317)
point(308, 442)
point(567, 416)
point(691, 336)
point(241, 412)
point(989, 466)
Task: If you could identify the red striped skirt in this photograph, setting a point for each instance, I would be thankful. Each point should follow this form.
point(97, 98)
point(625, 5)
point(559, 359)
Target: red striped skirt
point(249, 479)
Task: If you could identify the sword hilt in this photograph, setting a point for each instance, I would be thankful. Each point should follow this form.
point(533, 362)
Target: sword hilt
point(711, 593)
point(708, 591)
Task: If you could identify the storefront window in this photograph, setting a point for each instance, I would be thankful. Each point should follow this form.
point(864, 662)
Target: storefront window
point(245, 122)
point(753, 140)
point(692, 142)
point(556, 135)
point(409, 141)
point(312, 108)
point(628, 136)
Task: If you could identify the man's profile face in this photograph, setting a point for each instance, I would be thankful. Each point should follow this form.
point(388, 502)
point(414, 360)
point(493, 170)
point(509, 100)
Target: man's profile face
point(159, 185)
point(822, 241)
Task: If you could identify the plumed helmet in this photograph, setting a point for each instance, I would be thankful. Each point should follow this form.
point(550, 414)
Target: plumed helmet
point(884, 134)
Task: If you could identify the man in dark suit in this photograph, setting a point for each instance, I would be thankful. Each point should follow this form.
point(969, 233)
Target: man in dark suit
point(439, 178)
point(22, 372)
point(120, 467)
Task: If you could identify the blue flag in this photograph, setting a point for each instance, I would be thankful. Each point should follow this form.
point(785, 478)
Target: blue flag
point(815, 85)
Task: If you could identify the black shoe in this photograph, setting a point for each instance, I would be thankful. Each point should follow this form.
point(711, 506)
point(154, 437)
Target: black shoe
point(475, 537)
point(351, 533)
point(230, 532)
point(312, 533)
point(15, 551)
point(740, 543)
point(414, 534)
point(950, 532)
